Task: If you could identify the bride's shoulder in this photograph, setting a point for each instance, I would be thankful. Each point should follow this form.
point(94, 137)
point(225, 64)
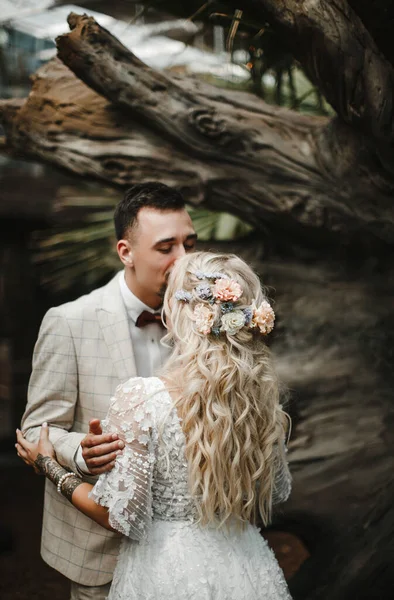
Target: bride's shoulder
point(138, 390)
point(136, 383)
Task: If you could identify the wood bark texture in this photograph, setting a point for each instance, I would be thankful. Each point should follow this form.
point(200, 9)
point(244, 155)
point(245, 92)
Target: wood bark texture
point(227, 151)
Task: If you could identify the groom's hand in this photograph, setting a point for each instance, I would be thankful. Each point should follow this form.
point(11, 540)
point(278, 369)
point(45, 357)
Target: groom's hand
point(99, 450)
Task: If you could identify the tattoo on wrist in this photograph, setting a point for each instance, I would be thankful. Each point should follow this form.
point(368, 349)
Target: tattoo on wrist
point(50, 468)
point(69, 486)
point(54, 472)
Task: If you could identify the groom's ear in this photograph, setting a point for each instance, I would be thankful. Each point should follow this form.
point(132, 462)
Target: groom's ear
point(125, 253)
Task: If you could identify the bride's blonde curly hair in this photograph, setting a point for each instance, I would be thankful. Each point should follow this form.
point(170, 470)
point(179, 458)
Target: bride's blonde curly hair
point(227, 394)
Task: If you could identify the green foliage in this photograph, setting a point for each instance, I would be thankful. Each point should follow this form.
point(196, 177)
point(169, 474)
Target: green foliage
point(271, 71)
point(218, 226)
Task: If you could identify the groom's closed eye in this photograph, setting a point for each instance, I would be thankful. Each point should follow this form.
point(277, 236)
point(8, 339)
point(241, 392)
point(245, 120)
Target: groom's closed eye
point(166, 250)
point(189, 245)
point(188, 248)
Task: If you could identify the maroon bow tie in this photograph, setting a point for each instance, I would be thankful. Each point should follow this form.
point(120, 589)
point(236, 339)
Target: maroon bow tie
point(147, 317)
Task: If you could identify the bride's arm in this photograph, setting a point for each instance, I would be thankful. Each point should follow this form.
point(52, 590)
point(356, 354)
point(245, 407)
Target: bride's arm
point(78, 494)
point(41, 456)
point(121, 500)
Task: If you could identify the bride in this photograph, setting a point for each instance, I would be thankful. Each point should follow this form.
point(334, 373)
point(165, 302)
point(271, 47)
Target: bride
point(204, 455)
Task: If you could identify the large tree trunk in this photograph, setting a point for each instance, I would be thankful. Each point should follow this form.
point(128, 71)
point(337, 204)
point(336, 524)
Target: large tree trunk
point(306, 182)
point(310, 175)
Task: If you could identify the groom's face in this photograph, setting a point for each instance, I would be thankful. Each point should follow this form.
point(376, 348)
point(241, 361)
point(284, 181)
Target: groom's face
point(159, 238)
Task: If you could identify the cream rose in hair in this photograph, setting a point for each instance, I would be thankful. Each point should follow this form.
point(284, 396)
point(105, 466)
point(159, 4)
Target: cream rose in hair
point(233, 321)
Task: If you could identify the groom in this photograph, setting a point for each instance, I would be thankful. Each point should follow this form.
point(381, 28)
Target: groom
point(84, 350)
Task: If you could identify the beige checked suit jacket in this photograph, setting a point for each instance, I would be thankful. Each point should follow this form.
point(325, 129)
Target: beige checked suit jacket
point(82, 353)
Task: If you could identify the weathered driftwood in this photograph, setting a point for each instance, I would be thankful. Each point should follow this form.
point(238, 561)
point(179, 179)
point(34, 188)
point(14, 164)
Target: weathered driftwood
point(224, 150)
point(345, 47)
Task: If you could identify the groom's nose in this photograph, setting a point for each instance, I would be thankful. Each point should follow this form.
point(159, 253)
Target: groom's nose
point(179, 252)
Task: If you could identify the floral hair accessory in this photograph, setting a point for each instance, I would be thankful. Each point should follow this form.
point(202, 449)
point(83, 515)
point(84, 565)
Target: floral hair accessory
point(233, 321)
point(204, 317)
point(216, 275)
point(183, 295)
point(227, 289)
point(221, 290)
point(248, 312)
point(226, 307)
point(263, 317)
point(204, 291)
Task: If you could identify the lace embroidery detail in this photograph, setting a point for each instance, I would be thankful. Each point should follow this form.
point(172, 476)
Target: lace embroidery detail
point(187, 562)
point(127, 490)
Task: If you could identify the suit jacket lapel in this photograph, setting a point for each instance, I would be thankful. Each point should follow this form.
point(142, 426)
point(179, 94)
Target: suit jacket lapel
point(114, 323)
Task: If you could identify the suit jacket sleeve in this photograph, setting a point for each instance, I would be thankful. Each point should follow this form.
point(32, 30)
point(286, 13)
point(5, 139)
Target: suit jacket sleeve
point(53, 388)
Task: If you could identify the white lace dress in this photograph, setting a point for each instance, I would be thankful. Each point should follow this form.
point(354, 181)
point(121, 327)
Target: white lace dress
point(164, 554)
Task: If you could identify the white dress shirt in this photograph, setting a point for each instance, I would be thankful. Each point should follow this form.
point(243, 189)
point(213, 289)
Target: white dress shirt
point(149, 354)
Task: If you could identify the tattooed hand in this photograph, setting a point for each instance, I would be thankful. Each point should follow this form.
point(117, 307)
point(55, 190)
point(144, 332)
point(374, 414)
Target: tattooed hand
point(29, 452)
point(41, 457)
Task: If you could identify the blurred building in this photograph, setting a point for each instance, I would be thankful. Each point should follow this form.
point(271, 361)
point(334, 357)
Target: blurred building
point(27, 40)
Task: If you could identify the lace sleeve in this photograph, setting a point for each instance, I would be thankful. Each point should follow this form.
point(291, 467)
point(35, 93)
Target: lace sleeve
point(282, 481)
point(126, 490)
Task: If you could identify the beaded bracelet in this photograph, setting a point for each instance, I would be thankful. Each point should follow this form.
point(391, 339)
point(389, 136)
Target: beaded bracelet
point(63, 479)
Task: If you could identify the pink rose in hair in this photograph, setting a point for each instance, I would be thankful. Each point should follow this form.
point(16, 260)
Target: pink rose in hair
point(227, 290)
point(263, 317)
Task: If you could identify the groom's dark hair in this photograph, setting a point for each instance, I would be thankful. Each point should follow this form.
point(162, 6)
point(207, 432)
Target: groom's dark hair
point(151, 194)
